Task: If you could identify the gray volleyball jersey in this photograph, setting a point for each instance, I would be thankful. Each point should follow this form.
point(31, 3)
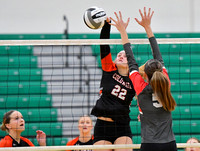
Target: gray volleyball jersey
point(156, 123)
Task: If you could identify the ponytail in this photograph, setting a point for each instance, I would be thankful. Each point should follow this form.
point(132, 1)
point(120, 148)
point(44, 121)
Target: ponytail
point(6, 120)
point(3, 127)
point(141, 71)
point(161, 88)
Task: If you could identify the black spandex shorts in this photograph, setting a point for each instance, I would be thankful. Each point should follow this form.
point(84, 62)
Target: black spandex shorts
point(110, 131)
point(171, 146)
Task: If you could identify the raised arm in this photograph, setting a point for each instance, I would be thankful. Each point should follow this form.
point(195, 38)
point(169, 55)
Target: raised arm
point(137, 80)
point(121, 27)
point(146, 23)
point(106, 58)
point(105, 34)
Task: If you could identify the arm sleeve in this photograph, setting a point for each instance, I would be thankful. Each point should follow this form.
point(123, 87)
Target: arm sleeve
point(5, 143)
point(130, 57)
point(157, 55)
point(137, 80)
point(105, 34)
point(155, 50)
point(106, 58)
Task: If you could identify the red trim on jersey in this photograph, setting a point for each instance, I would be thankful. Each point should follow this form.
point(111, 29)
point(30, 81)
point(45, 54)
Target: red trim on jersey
point(139, 83)
point(7, 141)
point(107, 63)
point(100, 92)
point(73, 142)
point(140, 110)
point(165, 73)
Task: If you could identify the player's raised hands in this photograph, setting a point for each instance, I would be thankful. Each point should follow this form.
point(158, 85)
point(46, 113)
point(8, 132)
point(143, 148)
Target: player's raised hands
point(119, 23)
point(146, 17)
point(121, 26)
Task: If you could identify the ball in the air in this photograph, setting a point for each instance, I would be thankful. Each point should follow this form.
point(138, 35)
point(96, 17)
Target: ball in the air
point(94, 17)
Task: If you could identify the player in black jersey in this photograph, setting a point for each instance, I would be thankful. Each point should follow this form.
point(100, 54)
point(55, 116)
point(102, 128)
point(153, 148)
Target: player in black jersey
point(14, 124)
point(117, 92)
point(85, 137)
point(154, 96)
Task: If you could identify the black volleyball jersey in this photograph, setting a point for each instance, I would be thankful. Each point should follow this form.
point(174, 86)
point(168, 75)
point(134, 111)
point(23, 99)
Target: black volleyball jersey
point(156, 123)
point(77, 142)
point(8, 141)
point(116, 90)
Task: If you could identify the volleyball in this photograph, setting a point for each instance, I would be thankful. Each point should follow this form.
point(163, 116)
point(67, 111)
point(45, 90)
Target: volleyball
point(94, 17)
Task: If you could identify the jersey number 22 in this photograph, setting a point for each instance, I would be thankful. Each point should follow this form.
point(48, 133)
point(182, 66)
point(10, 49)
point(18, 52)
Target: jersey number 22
point(119, 92)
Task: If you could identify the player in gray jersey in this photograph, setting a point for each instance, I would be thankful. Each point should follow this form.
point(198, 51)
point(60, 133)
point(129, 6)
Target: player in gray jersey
point(154, 96)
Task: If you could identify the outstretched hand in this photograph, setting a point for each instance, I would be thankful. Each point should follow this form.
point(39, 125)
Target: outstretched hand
point(146, 18)
point(119, 23)
point(41, 138)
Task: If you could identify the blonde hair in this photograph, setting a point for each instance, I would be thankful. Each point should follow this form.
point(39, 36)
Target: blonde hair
point(194, 139)
point(85, 116)
point(141, 71)
point(6, 120)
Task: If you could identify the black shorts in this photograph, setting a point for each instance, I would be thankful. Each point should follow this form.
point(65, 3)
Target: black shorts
point(110, 131)
point(171, 146)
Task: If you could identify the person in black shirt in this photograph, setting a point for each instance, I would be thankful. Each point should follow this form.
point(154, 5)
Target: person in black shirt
point(116, 94)
point(14, 124)
point(154, 96)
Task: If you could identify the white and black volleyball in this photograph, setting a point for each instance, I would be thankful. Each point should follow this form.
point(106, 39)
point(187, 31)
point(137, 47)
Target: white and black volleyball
point(94, 17)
